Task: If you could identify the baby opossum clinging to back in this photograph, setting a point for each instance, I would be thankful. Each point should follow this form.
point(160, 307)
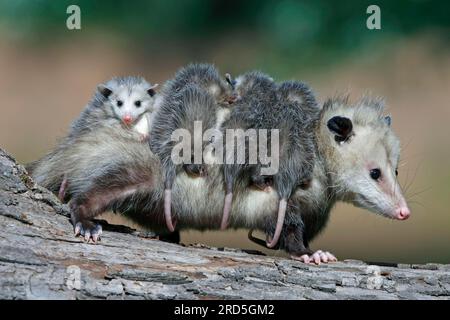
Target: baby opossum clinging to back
point(290, 109)
point(128, 101)
point(197, 93)
point(123, 103)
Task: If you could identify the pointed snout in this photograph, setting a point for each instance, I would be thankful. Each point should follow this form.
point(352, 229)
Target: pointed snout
point(127, 119)
point(402, 213)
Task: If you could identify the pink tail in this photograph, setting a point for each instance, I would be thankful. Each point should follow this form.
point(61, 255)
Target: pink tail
point(226, 211)
point(62, 189)
point(280, 221)
point(167, 209)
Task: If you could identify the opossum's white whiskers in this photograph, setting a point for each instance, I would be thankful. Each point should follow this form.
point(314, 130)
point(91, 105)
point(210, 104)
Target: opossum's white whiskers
point(410, 196)
point(415, 175)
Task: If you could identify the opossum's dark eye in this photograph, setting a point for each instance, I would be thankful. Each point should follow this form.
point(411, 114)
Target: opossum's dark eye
point(137, 103)
point(396, 172)
point(119, 103)
point(375, 174)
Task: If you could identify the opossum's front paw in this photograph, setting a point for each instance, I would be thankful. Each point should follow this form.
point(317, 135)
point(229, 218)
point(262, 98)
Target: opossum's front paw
point(317, 257)
point(89, 230)
point(144, 138)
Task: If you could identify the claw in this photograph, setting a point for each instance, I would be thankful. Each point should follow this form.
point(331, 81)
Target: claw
point(77, 229)
point(87, 235)
point(304, 258)
point(92, 232)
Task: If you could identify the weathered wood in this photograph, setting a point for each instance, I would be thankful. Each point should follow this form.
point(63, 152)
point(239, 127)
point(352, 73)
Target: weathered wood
point(41, 259)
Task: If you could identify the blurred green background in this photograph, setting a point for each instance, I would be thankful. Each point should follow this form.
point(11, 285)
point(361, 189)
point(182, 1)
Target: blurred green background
point(48, 73)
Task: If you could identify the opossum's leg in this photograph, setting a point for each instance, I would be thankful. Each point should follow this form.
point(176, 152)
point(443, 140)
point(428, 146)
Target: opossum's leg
point(297, 247)
point(168, 205)
point(62, 189)
point(272, 241)
point(227, 204)
point(89, 205)
point(317, 257)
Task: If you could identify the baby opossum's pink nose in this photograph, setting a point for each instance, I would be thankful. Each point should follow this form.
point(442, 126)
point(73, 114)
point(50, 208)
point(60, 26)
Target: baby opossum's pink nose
point(402, 213)
point(127, 119)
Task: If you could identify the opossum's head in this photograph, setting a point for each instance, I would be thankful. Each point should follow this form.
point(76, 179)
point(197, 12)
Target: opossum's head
point(128, 97)
point(255, 85)
point(362, 155)
point(207, 77)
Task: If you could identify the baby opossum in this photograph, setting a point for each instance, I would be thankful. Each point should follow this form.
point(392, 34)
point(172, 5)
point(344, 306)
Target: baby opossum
point(197, 93)
point(256, 94)
point(106, 167)
point(122, 102)
point(291, 114)
point(127, 101)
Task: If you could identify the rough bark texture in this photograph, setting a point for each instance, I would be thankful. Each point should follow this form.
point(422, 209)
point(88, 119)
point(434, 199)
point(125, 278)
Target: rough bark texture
point(41, 259)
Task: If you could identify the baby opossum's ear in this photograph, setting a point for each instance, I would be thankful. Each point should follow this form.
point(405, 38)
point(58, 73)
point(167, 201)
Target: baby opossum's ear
point(342, 128)
point(388, 120)
point(104, 90)
point(230, 80)
point(151, 91)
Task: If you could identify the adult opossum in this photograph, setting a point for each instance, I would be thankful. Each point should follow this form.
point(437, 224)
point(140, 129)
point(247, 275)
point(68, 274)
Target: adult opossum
point(356, 158)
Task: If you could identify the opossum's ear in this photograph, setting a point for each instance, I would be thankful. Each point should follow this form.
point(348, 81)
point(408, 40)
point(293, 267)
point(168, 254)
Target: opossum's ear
point(230, 80)
point(151, 91)
point(388, 120)
point(104, 90)
point(342, 128)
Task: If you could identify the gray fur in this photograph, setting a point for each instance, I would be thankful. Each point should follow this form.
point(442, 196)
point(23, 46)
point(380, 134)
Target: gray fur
point(98, 113)
point(190, 104)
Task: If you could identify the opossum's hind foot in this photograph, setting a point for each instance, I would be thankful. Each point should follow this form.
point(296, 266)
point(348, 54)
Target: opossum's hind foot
point(317, 257)
point(88, 230)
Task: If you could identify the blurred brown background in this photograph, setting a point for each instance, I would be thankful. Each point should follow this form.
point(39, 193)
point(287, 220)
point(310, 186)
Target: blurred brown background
point(48, 73)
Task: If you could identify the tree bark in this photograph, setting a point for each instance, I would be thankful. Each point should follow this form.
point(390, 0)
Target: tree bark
point(41, 259)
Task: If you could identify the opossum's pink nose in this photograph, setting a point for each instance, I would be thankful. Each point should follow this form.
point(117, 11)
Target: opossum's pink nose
point(127, 119)
point(402, 213)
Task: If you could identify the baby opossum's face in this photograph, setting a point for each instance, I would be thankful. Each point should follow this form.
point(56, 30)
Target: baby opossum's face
point(363, 162)
point(128, 104)
point(221, 91)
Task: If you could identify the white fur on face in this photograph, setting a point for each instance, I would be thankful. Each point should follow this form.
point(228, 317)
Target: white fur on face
point(368, 150)
point(129, 99)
